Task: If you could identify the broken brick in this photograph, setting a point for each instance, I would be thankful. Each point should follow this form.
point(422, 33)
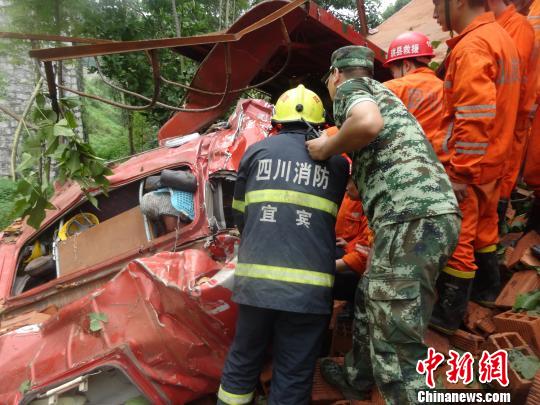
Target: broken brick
point(510, 239)
point(518, 385)
point(479, 319)
point(323, 393)
point(521, 282)
point(534, 393)
point(524, 244)
point(528, 326)
point(376, 397)
point(439, 342)
point(341, 337)
point(338, 307)
point(467, 341)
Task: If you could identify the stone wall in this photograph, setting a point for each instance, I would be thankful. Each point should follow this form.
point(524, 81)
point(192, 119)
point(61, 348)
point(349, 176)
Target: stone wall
point(18, 77)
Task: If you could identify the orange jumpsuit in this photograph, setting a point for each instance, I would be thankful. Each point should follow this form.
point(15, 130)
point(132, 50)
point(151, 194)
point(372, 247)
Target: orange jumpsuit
point(522, 34)
point(422, 93)
point(481, 96)
point(352, 225)
point(531, 171)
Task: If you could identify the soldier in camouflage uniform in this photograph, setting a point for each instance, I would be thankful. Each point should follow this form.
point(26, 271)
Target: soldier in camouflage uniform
point(415, 218)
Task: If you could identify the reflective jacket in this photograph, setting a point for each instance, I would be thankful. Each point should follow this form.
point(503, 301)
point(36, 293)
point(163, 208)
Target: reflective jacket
point(352, 225)
point(481, 96)
point(285, 206)
point(422, 93)
point(534, 19)
point(522, 34)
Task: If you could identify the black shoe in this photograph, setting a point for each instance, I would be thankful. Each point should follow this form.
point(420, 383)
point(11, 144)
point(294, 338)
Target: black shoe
point(502, 207)
point(487, 280)
point(334, 374)
point(451, 306)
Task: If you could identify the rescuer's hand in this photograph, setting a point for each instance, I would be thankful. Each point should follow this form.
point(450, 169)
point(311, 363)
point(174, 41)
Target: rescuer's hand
point(460, 190)
point(317, 147)
point(362, 249)
point(340, 242)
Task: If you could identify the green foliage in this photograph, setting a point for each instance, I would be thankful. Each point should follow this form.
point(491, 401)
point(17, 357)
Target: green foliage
point(347, 11)
point(54, 147)
point(96, 320)
point(25, 386)
point(7, 192)
point(526, 366)
point(394, 8)
point(528, 302)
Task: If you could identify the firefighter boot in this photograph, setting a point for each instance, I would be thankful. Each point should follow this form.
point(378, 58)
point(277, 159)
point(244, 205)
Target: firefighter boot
point(502, 207)
point(487, 280)
point(533, 223)
point(334, 374)
point(453, 299)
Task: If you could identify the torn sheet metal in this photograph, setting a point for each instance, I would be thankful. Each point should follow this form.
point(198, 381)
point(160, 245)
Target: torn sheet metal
point(159, 317)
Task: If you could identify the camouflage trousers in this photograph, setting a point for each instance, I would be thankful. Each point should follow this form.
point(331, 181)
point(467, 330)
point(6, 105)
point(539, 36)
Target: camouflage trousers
point(393, 305)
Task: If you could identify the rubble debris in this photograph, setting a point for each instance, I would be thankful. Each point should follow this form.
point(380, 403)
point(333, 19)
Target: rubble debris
point(441, 343)
point(11, 233)
point(523, 245)
point(341, 337)
point(534, 393)
point(528, 326)
point(28, 318)
point(521, 282)
point(468, 342)
point(479, 319)
point(512, 341)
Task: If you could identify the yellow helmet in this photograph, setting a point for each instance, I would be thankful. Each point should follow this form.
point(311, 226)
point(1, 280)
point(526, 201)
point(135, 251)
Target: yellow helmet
point(298, 103)
point(76, 224)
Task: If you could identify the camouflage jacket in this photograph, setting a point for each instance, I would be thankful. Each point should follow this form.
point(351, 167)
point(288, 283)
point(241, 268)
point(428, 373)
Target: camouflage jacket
point(398, 174)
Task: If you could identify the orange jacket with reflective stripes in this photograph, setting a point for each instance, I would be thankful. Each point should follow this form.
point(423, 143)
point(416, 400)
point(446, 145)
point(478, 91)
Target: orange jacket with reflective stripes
point(522, 34)
point(352, 225)
point(422, 93)
point(534, 19)
point(481, 96)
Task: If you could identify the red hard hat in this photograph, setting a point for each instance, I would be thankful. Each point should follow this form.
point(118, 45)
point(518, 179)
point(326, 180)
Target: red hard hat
point(410, 44)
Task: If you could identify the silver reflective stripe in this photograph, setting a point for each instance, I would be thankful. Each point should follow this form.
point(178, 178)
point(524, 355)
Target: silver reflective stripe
point(448, 84)
point(471, 151)
point(447, 137)
point(476, 115)
point(473, 144)
point(533, 17)
point(476, 107)
point(534, 108)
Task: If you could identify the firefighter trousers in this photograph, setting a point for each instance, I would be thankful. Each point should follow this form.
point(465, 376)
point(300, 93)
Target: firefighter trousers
point(296, 342)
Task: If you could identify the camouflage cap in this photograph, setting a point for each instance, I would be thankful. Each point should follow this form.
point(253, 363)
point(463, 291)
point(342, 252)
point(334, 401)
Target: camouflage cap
point(353, 56)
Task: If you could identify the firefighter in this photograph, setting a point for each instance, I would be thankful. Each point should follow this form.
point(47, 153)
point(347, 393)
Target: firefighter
point(414, 82)
point(522, 33)
point(414, 217)
point(285, 205)
point(531, 171)
point(481, 95)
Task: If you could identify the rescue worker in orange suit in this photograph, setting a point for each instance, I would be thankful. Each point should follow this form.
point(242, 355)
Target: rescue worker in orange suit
point(522, 34)
point(285, 205)
point(414, 82)
point(531, 171)
point(353, 243)
point(481, 96)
